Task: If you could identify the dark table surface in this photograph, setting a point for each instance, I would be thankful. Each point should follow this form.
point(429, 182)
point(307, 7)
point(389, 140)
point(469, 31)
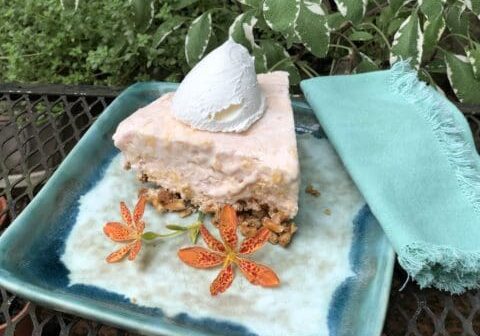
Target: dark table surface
point(40, 124)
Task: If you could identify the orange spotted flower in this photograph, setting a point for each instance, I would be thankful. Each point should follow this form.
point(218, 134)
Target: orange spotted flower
point(130, 231)
point(226, 253)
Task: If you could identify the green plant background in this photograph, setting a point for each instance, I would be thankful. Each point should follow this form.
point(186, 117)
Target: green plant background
point(118, 42)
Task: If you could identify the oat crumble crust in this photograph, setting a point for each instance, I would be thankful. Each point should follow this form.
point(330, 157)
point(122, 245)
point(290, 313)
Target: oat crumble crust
point(252, 215)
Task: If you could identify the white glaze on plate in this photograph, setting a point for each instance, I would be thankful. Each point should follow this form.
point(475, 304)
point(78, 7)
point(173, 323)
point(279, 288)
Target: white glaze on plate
point(311, 269)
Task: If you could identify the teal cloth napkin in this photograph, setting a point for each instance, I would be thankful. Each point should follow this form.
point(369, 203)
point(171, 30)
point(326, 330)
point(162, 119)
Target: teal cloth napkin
point(412, 155)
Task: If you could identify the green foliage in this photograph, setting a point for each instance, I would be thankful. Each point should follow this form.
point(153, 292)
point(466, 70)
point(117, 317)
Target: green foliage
point(101, 42)
point(118, 42)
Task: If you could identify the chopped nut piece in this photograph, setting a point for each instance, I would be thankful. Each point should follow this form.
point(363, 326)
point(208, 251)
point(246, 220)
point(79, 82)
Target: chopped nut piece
point(252, 222)
point(293, 228)
point(279, 217)
point(273, 239)
point(164, 196)
point(175, 205)
point(312, 191)
point(248, 231)
point(216, 218)
point(272, 226)
point(284, 239)
point(327, 212)
point(185, 213)
point(127, 165)
point(143, 177)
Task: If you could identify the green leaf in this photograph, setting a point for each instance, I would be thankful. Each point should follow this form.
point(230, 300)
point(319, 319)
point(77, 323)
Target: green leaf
point(474, 58)
point(474, 6)
point(251, 3)
point(197, 39)
point(336, 20)
point(277, 59)
point(260, 60)
point(280, 15)
point(180, 4)
point(69, 4)
point(166, 29)
point(457, 19)
point(312, 29)
point(436, 66)
point(144, 12)
point(395, 5)
point(360, 36)
point(366, 64)
point(174, 227)
point(394, 25)
point(408, 41)
point(425, 76)
point(149, 235)
point(433, 29)
point(431, 8)
point(353, 10)
point(461, 78)
point(241, 30)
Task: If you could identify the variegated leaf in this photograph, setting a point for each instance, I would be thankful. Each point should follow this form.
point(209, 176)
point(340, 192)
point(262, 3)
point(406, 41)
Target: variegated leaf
point(461, 78)
point(474, 58)
point(474, 6)
point(280, 15)
point(358, 35)
point(353, 10)
point(312, 29)
point(69, 4)
point(251, 3)
point(260, 60)
point(433, 29)
point(181, 4)
point(431, 8)
point(197, 39)
point(166, 29)
point(408, 42)
point(366, 64)
point(395, 5)
point(241, 30)
point(335, 21)
point(144, 12)
point(457, 19)
point(277, 58)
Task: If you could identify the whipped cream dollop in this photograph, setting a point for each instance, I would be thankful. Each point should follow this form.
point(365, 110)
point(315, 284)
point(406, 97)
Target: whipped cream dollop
point(221, 93)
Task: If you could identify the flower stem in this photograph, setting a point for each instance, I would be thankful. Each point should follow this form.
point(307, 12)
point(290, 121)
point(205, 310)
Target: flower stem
point(177, 230)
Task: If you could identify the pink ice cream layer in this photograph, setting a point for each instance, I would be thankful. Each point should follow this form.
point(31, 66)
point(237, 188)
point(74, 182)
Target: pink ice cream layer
point(212, 169)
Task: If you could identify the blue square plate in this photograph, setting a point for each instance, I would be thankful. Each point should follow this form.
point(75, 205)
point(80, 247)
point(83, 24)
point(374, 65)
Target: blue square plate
point(31, 248)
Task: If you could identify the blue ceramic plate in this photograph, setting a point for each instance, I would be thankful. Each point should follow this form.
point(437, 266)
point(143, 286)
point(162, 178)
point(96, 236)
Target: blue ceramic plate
point(33, 249)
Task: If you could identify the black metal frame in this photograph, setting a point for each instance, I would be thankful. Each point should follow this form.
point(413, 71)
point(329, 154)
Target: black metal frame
point(24, 149)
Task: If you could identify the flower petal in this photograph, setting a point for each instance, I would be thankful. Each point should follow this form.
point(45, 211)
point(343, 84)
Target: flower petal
point(228, 226)
point(126, 215)
point(140, 226)
point(223, 280)
point(118, 255)
point(200, 257)
point(118, 232)
point(210, 240)
point(138, 213)
point(134, 249)
point(258, 274)
point(256, 242)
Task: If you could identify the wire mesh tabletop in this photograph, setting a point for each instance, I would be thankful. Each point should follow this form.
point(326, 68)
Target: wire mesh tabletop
point(39, 125)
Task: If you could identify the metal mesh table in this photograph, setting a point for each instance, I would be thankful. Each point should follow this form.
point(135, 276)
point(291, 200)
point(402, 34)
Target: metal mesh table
point(39, 125)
